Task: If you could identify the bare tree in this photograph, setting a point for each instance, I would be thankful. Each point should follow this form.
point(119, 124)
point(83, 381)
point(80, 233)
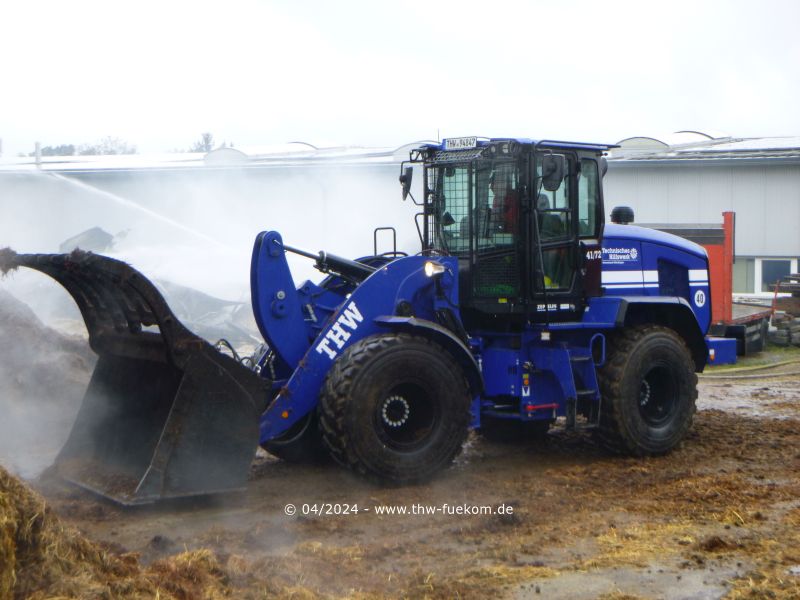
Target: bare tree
point(205, 144)
point(108, 145)
point(61, 150)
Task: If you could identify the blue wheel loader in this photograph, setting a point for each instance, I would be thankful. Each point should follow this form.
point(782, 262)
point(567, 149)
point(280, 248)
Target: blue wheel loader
point(522, 310)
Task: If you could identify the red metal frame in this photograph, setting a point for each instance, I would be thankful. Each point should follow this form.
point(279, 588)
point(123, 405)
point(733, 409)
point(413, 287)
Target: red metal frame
point(720, 263)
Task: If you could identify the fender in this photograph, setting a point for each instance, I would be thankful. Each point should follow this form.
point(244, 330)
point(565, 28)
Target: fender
point(674, 312)
point(445, 338)
point(400, 283)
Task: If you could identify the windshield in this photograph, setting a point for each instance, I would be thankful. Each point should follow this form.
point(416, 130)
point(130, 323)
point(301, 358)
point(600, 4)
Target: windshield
point(475, 204)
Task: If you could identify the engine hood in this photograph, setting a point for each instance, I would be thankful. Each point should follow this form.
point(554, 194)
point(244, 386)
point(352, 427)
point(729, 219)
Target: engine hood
point(643, 234)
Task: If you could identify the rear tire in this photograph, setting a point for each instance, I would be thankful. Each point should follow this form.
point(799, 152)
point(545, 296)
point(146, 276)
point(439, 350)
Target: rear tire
point(649, 391)
point(395, 408)
point(301, 444)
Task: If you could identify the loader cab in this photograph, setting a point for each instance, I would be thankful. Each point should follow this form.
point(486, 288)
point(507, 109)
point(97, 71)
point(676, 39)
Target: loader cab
point(525, 220)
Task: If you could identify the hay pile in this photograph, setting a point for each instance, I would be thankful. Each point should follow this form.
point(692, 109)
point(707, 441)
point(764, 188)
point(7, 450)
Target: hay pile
point(43, 376)
point(38, 363)
point(41, 558)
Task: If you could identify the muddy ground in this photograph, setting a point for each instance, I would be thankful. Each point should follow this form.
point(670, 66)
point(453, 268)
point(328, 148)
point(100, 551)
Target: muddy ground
point(719, 517)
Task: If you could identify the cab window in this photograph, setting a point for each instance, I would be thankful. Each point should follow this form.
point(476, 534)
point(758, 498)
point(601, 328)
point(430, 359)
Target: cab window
point(554, 211)
point(588, 198)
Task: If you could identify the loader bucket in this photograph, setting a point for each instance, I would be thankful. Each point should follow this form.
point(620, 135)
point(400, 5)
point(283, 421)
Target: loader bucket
point(165, 415)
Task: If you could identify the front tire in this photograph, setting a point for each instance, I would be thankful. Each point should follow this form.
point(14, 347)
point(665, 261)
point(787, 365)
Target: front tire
point(649, 391)
point(395, 407)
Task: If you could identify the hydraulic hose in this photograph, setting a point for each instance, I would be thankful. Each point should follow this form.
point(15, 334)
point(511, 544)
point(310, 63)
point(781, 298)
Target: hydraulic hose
point(725, 374)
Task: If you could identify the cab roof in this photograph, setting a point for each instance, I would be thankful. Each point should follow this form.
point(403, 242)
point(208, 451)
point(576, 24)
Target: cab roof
point(482, 142)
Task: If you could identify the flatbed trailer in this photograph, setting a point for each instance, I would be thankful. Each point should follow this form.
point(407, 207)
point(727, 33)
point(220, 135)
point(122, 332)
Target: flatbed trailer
point(748, 324)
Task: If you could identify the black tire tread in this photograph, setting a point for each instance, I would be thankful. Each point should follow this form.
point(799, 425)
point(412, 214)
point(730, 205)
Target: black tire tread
point(610, 433)
point(337, 391)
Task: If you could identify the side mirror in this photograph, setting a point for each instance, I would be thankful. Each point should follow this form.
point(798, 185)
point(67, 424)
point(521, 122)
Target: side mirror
point(553, 170)
point(405, 180)
point(603, 166)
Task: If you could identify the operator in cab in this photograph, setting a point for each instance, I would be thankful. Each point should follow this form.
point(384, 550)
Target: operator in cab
point(505, 200)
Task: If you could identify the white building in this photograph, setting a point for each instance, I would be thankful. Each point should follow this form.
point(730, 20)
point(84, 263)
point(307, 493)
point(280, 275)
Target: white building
point(692, 177)
point(333, 197)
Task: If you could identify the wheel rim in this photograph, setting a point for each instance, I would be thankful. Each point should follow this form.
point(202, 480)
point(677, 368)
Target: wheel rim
point(406, 417)
point(658, 395)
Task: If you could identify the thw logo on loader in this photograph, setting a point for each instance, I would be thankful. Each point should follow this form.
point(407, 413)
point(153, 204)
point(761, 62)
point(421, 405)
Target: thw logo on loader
point(337, 335)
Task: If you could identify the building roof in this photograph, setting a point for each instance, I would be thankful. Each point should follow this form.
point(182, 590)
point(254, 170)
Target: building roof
point(291, 154)
point(681, 147)
point(703, 148)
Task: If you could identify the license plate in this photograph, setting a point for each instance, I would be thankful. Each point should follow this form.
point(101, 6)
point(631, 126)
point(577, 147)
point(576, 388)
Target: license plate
point(462, 143)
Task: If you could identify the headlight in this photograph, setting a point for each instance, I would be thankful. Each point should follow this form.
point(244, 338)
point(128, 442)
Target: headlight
point(433, 268)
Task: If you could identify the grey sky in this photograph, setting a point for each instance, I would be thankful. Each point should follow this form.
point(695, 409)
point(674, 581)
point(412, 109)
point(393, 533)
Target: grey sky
point(157, 74)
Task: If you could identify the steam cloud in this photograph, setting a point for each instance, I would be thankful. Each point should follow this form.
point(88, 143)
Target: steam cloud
point(187, 229)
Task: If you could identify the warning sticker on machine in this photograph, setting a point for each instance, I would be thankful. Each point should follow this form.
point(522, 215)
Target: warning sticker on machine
point(620, 255)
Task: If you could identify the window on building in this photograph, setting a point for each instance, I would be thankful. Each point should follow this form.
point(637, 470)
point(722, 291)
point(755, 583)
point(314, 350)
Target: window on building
point(771, 270)
point(744, 275)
